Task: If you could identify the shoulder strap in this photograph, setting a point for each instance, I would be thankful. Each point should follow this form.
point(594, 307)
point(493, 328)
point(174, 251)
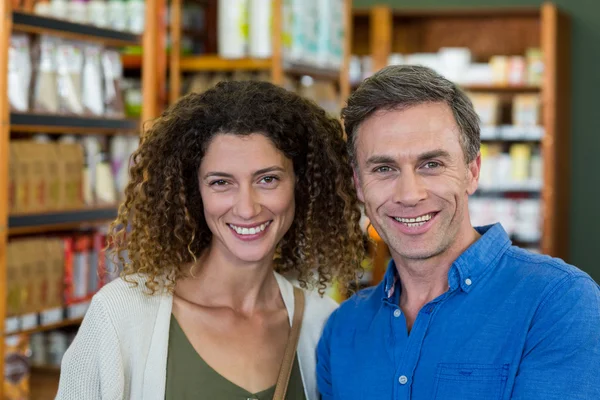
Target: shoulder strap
point(290, 349)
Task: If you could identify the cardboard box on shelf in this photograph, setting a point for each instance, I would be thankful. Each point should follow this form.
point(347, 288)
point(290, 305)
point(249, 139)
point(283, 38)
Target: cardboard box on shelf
point(56, 270)
point(22, 177)
point(53, 176)
point(71, 155)
point(38, 175)
point(13, 277)
point(12, 179)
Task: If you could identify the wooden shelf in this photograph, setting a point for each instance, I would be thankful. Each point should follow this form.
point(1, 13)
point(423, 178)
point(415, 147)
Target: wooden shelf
point(490, 88)
point(50, 327)
point(474, 12)
point(525, 187)
point(131, 61)
point(502, 88)
point(471, 12)
point(47, 123)
point(45, 369)
point(56, 221)
point(215, 63)
point(43, 383)
point(31, 23)
point(326, 74)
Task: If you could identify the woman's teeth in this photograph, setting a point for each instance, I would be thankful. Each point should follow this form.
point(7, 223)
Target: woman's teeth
point(249, 231)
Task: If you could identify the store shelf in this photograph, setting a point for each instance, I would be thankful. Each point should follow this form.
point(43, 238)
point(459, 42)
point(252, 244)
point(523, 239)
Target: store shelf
point(468, 12)
point(43, 382)
point(216, 63)
point(512, 187)
point(47, 123)
point(326, 74)
point(45, 369)
point(49, 327)
point(511, 133)
point(30, 23)
point(56, 221)
point(502, 88)
point(131, 61)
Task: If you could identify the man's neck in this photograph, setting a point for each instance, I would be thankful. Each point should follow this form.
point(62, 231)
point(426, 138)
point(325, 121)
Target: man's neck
point(426, 279)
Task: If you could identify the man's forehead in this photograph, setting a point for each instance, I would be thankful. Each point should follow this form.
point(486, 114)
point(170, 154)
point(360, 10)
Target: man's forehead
point(407, 141)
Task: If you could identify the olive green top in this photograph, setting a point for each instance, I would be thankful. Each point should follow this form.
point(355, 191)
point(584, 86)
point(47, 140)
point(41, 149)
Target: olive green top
point(190, 377)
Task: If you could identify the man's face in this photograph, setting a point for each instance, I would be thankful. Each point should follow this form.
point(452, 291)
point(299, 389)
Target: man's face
point(412, 176)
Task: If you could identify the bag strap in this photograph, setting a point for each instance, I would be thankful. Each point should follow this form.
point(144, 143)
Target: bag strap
point(290, 349)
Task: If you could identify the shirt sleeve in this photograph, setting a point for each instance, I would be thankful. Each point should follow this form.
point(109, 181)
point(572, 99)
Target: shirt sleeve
point(92, 368)
point(561, 358)
point(324, 381)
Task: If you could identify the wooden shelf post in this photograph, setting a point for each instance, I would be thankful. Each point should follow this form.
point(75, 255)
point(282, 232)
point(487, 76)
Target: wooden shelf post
point(5, 32)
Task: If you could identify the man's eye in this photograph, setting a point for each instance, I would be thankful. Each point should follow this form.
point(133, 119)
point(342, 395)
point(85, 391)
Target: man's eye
point(432, 165)
point(383, 169)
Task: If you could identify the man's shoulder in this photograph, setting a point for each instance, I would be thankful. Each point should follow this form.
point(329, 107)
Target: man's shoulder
point(535, 266)
point(545, 275)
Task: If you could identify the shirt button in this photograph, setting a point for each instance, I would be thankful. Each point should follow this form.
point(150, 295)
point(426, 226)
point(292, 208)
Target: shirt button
point(403, 379)
point(468, 282)
point(397, 313)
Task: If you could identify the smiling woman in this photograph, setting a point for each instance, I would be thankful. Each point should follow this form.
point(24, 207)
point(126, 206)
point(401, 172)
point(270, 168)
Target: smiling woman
point(228, 189)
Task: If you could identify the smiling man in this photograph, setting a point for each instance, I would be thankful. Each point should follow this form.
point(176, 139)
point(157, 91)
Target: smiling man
point(461, 313)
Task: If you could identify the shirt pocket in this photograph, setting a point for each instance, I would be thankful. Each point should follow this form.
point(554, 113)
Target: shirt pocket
point(470, 381)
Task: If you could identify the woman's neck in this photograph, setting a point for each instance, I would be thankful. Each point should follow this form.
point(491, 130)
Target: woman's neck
point(221, 280)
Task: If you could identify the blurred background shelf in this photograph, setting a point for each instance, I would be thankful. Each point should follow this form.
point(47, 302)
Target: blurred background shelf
point(216, 63)
point(24, 224)
point(502, 88)
point(47, 123)
point(512, 187)
point(50, 327)
point(131, 61)
point(31, 23)
point(326, 74)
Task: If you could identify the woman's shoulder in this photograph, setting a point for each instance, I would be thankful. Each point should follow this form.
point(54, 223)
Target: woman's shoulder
point(127, 299)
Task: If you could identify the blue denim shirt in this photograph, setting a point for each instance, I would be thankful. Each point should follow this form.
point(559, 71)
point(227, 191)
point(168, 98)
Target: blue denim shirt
point(513, 325)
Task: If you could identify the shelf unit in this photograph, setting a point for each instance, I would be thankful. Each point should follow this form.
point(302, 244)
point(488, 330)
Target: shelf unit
point(50, 327)
point(381, 31)
point(32, 123)
point(275, 64)
point(16, 20)
point(57, 221)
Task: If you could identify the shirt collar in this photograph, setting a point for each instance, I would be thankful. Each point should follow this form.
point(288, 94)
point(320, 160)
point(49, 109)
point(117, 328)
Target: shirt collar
point(467, 270)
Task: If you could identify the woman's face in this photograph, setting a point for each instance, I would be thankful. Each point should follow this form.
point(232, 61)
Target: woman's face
point(247, 187)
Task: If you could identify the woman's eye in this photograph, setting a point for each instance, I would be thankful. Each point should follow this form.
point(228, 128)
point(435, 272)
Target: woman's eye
point(219, 182)
point(269, 179)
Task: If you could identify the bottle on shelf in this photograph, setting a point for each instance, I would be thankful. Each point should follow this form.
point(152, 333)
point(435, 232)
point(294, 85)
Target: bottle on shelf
point(232, 27)
point(117, 15)
point(98, 13)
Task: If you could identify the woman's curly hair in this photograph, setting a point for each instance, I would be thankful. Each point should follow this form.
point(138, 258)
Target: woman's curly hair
point(161, 226)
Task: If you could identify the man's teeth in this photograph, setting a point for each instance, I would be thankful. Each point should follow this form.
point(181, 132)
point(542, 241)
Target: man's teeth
point(414, 222)
point(249, 231)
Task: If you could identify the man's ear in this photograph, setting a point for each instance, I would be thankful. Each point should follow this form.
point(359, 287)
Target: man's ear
point(474, 172)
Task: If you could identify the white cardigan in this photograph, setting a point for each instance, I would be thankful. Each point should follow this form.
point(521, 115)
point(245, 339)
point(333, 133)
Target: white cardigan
point(120, 351)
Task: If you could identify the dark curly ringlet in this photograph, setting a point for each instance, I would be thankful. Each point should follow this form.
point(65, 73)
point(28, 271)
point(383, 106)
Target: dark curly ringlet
point(161, 223)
